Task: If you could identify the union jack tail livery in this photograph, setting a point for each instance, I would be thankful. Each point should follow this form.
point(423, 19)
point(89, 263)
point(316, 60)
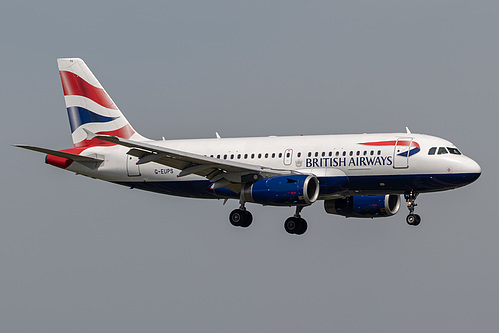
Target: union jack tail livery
point(90, 107)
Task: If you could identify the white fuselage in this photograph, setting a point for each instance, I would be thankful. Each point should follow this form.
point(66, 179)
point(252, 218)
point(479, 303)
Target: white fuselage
point(378, 165)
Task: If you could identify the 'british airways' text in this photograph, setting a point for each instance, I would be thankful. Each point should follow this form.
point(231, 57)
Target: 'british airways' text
point(358, 161)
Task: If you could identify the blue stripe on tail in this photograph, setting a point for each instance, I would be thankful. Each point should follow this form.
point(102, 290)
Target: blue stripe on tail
point(79, 116)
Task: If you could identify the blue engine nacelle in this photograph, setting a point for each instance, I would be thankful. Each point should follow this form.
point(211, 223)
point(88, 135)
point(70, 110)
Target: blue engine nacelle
point(283, 190)
point(364, 206)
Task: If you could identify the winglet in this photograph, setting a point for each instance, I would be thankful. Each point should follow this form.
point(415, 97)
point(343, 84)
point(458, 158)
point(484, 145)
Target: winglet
point(218, 135)
point(408, 131)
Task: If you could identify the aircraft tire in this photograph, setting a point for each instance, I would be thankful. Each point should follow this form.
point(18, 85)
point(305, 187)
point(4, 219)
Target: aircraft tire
point(413, 219)
point(247, 220)
point(290, 225)
point(302, 227)
point(295, 225)
point(237, 217)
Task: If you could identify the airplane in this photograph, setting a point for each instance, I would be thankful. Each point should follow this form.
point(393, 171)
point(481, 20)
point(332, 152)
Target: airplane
point(355, 175)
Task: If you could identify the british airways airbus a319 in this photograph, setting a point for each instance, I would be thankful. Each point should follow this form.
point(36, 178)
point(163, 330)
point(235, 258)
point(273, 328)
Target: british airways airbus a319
point(356, 175)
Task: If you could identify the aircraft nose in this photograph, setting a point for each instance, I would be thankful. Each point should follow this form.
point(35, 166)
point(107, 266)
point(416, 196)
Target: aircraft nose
point(473, 169)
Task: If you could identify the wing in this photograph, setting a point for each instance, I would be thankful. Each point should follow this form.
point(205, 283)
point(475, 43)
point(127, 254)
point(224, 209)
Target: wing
point(219, 172)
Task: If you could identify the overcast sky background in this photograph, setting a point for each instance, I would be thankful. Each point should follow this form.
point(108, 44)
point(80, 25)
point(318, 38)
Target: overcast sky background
point(82, 255)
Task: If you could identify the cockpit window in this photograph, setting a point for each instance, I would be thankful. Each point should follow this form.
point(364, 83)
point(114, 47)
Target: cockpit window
point(442, 150)
point(432, 151)
point(454, 151)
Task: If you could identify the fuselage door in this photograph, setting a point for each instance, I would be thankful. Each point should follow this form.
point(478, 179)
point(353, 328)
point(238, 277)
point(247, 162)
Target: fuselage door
point(132, 168)
point(288, 156)
point(401, 153)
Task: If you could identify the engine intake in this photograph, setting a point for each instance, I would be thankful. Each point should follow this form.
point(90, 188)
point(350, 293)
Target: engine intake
point(364, 206)
point(283, 190)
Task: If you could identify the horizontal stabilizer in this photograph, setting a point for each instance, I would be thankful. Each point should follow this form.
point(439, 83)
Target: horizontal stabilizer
point(74, 157)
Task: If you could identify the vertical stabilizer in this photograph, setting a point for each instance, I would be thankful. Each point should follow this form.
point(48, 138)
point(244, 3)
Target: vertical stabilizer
point(89, 106)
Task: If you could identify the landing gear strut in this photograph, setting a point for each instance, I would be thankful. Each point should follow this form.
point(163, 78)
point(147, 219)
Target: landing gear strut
point(412, 219)
point(296, 224)
point(241, 217)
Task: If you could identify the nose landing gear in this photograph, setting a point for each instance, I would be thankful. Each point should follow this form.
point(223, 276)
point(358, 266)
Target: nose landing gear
point(412, 219)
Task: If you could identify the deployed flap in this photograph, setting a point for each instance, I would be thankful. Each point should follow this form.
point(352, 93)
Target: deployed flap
point(74, 157)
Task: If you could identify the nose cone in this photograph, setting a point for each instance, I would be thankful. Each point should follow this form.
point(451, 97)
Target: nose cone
point(466, 170)
point(473, 169)
point(461, 171)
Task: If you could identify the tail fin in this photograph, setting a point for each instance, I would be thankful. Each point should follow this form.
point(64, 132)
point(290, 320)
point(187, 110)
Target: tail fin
point(90, 107)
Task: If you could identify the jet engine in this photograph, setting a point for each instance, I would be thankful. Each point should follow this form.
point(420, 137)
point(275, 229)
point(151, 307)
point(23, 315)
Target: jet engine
point(364, 206)
point(283, 190)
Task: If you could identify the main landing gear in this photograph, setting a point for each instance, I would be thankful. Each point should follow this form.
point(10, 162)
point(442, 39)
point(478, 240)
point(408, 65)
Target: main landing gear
point(412, 219)
point(296, 224)
point(241, 217)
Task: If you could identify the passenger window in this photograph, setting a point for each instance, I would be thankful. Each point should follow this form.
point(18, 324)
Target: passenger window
point(309, 154)
point(442, 150)
point(245, 156)
point(218, 156)
point(260, 155)
point(280, 155)
point(337, 153)
point(288, 155)
point(323, 153)
point(252, 156)
point(454, 151)
point(344, 153)
point(351, 153)
point(330, 153)
point(316, 154)
point(358, 153)
point(372, 152)
point(273, 155)
point(232, 156)
point(238, 156)
point(432, 151)
point(225, 156)
point(299, 154)
point(266, 155)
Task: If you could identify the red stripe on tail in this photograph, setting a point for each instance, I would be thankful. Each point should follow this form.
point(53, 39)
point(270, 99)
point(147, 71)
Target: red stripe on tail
point(72, 84)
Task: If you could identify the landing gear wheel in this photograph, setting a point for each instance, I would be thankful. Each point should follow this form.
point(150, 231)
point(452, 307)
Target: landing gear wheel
point(290, 225)
point(295, 225)
point(303, 226)
point(413, 219)
point(240, 218)
point(235, 217)
point(248, 218)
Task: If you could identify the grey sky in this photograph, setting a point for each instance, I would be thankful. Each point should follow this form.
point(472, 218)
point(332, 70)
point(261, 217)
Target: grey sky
point(80, 255)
